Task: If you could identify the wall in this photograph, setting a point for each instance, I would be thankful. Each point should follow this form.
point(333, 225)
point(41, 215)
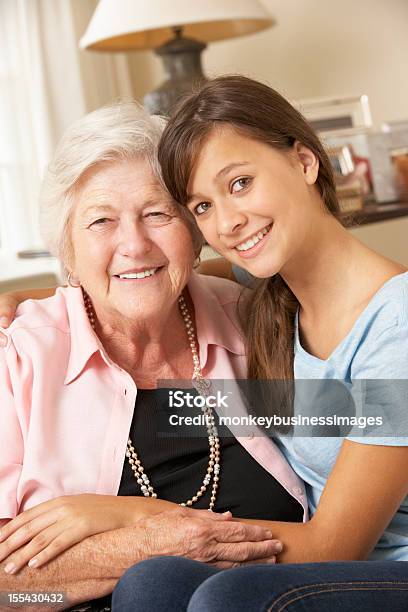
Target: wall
point(316, 48)
point(390, 238)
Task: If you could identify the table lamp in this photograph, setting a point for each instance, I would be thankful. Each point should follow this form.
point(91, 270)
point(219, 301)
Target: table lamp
point(177, 30)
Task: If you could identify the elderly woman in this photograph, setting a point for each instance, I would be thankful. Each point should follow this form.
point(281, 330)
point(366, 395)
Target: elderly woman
point(87, 488)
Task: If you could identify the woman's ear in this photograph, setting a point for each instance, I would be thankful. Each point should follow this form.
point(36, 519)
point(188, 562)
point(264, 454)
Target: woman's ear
point(308, 161)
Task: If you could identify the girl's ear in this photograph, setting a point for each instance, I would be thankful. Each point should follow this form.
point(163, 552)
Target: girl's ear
point(308, 161)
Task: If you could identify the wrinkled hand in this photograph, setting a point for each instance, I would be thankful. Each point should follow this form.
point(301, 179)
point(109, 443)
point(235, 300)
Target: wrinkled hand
point(40, 534)
point(208, 537)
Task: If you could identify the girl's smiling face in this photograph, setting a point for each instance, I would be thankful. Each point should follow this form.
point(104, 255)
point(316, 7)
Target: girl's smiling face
point(256, 205)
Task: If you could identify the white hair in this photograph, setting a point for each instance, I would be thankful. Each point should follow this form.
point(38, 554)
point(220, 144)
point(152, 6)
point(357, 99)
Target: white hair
point(119, 132)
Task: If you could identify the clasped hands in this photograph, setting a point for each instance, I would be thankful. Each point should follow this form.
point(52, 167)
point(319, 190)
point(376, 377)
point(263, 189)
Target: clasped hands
point(40, 534)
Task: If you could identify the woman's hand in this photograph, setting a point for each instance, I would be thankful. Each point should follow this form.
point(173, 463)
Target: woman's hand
point(208, 537)
point(45, 531)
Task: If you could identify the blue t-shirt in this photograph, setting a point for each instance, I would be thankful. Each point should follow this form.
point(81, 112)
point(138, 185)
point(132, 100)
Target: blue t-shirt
point(375, 350)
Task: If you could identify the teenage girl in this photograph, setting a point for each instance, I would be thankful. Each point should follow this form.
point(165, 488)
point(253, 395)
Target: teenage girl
point(260, 185)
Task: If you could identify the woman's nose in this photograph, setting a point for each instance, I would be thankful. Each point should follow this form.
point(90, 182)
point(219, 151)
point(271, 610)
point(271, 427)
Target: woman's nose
point(229, 219)
point(134, 242)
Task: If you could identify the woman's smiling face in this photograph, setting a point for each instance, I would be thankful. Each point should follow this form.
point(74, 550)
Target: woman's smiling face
point(255, 205)
point(132, 251)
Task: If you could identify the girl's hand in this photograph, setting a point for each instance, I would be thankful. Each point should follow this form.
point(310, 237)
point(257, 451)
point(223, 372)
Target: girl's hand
point(8, 307)
point(10, 301)
point(45, 531)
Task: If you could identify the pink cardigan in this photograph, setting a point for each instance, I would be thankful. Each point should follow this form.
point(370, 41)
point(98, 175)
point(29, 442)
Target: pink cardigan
point(66, 408)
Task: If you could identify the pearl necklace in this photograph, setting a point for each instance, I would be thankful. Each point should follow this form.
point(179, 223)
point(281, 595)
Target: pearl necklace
point(202, 385)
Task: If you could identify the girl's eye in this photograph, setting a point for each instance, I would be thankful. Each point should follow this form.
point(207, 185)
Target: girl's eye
point(240, 184)
point(201, 208)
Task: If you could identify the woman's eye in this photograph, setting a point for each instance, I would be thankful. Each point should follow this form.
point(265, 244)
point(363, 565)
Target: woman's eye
point(201, 208)
point(157, 216)
point(101, 221)
point(240, 184)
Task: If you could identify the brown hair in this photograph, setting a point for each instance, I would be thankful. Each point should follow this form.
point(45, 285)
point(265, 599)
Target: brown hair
point(258, 112)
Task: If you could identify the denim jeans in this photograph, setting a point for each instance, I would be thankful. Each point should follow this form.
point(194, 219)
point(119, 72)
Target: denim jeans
point(176, 584)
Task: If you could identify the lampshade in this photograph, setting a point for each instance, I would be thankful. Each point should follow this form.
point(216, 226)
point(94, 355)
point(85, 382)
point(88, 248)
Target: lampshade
point(122, 25)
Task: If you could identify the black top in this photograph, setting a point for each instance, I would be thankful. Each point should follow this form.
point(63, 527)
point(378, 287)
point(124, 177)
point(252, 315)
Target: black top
point(176, 466)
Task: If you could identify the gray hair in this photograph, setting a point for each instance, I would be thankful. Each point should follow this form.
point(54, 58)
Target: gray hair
point(119, 132)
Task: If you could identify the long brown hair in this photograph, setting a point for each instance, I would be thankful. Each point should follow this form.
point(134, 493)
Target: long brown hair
point(258, 112)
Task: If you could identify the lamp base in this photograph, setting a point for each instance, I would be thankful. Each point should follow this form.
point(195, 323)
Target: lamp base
point(182, 63)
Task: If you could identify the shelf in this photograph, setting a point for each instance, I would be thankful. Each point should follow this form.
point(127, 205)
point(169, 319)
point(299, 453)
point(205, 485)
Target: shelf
point(374, 212)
